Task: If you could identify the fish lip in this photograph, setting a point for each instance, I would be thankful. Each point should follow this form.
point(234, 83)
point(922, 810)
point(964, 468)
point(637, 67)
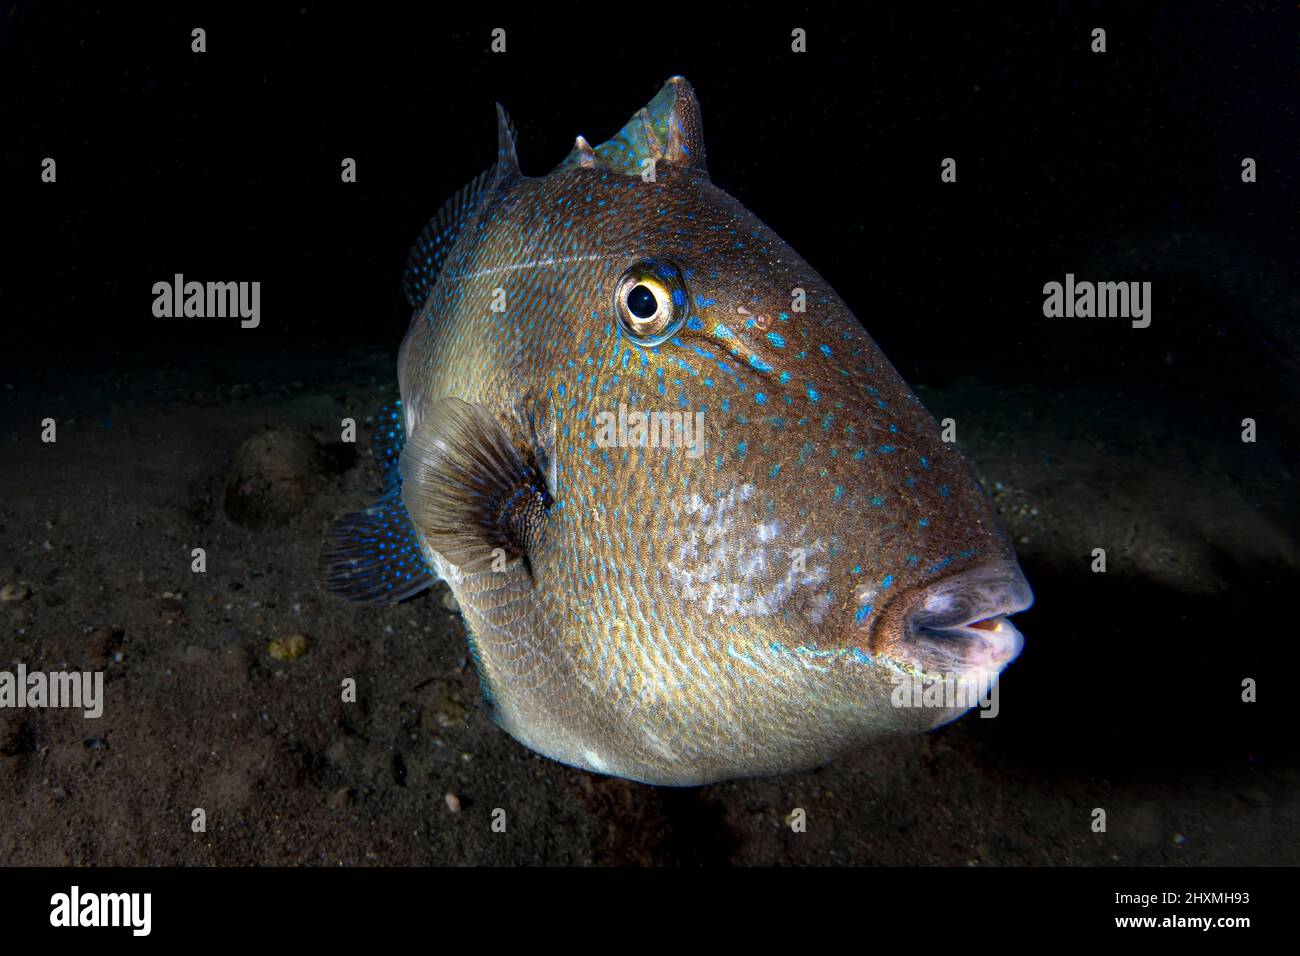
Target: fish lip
point(958, 626)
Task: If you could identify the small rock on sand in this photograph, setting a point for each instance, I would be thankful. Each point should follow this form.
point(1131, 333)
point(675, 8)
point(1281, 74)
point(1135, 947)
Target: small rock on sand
point(342, 798)
point(288, 648)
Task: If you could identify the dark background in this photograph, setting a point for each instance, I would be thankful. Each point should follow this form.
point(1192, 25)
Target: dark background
point(225, 166)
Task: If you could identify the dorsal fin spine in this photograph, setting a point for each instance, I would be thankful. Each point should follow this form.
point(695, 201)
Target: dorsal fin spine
point(507, 165)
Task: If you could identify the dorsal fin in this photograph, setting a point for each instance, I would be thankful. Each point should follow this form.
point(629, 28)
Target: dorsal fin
point(430, 249)
point(668, 130)
point(431, 246)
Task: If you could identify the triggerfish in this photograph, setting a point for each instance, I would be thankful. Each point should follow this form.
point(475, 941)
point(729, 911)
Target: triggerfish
point(698, 526)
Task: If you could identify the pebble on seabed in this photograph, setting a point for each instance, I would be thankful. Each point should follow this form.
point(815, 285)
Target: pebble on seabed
point(288, 648)
point(14, 592)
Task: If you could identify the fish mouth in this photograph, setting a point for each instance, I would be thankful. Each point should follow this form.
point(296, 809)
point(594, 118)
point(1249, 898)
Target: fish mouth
point(958, 626)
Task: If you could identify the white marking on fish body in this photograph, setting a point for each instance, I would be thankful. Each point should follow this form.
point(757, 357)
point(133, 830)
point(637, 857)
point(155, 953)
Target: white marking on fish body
point(723, 565)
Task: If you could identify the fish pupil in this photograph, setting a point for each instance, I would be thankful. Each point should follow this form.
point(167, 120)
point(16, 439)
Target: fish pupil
point(641, 302)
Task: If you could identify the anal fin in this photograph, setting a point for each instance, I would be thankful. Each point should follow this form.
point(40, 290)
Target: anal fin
point(373, 556)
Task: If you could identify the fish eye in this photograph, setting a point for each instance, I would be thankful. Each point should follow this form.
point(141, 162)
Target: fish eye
point(650, 300)
point(641, 302)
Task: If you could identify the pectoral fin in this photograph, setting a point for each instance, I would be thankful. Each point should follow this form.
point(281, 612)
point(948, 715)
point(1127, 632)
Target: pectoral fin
point(470, 490)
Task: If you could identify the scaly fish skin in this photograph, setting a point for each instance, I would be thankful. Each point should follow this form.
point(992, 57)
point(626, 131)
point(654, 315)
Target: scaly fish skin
point(738, 606)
